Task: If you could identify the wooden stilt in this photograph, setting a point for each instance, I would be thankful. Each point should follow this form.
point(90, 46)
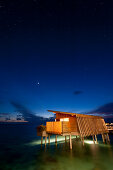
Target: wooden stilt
point(41, 140)
point(65, 138)
point(49, 139)
point(96, 138)
point(70, 142)
point(56, 139)
point(103, 138)
point(45, 140)
point(108, 137)
point(83, 140)
point(93, 139)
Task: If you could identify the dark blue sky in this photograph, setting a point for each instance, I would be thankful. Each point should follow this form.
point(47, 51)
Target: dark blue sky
point(65, 46)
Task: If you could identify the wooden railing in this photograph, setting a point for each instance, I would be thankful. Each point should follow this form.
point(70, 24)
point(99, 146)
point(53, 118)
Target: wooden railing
point(57, 127)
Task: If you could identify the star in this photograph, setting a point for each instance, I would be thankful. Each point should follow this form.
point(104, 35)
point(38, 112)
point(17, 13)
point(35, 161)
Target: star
point(38, 83)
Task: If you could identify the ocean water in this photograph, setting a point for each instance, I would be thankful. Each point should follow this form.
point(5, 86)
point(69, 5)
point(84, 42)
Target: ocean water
point(20, 149)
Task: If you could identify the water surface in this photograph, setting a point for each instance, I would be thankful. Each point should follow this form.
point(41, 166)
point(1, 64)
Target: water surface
point(20, 149)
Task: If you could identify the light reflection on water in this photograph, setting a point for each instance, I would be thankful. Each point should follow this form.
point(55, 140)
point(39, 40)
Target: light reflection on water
point(26, 153)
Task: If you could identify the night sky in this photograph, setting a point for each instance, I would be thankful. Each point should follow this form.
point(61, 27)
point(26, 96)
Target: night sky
point(56, 55)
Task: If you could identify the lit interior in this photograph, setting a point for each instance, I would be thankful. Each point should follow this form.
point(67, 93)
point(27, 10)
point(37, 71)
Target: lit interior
point(64, 120)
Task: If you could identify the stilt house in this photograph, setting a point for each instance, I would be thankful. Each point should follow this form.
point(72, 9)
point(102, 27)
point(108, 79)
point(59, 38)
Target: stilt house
point(76, 124)
point(68, 124)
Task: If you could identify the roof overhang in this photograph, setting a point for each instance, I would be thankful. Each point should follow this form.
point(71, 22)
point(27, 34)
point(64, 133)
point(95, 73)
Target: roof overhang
point(74, 114)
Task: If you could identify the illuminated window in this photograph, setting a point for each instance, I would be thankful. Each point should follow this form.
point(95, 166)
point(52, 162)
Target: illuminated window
point(64, 120)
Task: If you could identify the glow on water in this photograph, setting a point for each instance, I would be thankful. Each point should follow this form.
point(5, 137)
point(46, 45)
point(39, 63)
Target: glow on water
point(90, 142)
point(60, 139)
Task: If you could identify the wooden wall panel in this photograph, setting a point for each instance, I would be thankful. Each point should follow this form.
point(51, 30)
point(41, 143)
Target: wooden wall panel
point(73, 126)
point(65, 127)
point(91, 126)
point(59, 116)
point(54, 127)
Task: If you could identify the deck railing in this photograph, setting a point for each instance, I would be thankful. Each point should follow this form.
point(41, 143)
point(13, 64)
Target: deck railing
point(57, 127)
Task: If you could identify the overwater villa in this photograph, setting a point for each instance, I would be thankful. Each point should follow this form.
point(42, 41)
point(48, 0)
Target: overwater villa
point(68, 124)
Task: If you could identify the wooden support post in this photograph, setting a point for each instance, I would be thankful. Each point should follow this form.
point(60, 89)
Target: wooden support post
point(103, 138)
point(93, 139)
point(45, 140)
point(83, 140)
point(56, 139)
point(49, 139)
point(65, 138)
point(96, 138)
point(108, 137)
point(41, 140)
point(70, 142)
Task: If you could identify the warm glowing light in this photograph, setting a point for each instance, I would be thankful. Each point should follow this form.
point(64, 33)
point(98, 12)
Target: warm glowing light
point(64, 120)
point(60, 139)
point(89, 142)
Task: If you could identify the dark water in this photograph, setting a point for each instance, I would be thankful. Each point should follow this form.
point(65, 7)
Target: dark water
point(20, 150)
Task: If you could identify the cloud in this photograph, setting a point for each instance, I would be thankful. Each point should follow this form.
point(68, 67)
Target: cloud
point(4, 114)
point(78, 92)
point(105, 110)
point(27, 114)
point(22, 109)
